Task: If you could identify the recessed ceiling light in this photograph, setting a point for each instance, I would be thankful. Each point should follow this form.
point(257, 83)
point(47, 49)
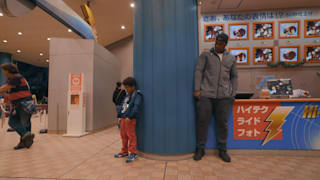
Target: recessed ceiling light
point(49, 39)
point(5, 41)
point(1, 14)
point(132, 5)
point(18, 51)
point(123, 27)
point(47, 60)
point(19, 33)
point(69, 30)
point(41, 54)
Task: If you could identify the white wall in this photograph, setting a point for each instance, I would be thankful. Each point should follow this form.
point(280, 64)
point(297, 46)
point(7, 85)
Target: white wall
point(101, 72)
point(106, 74)
point(123, 51)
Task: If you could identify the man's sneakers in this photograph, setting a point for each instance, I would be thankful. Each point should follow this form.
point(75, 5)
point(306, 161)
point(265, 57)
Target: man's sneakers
point(10, 130)
point(20, 145)
point(132, 157)
point(31, 141)
point(120, 155)
point(224, 156)
point(198, 154)
point(27, 139)
point(25, 142)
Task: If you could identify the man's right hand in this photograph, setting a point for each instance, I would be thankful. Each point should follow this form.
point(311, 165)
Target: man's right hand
point(196, 94)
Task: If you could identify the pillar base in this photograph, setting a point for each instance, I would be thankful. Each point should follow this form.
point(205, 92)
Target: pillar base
point(75, 134)
point(160, 157)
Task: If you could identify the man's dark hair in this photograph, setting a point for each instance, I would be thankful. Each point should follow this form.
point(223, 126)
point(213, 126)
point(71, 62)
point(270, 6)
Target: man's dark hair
point(11, 68)
point(118, 84)
point(222, 37)
point(130, 81)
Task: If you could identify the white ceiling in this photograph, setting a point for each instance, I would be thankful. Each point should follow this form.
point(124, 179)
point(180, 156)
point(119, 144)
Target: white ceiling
point(37, 26)
point(214, 6)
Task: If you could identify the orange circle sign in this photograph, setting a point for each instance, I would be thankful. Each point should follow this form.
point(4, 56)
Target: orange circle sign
point(76, 82)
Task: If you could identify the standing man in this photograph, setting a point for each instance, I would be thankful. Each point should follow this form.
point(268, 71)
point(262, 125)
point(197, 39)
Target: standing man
point(22, 106)
point(215, 88)
point(118, 97)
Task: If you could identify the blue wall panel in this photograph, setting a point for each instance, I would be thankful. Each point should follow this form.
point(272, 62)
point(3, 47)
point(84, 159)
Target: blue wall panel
point(165, 54)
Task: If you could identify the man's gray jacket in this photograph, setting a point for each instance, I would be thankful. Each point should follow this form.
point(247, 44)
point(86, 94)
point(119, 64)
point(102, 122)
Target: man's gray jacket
point(215, 78)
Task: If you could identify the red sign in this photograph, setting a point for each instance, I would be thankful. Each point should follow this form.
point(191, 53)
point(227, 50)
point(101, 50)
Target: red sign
point(250, 121)
point(75, 82)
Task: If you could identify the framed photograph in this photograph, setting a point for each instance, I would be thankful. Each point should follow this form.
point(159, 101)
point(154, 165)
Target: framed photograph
point(289, 29)
point(312, 28)
point(280, 87)
point(211, 31)
point(289, 54)
point(239, 31)
point(241, 54)
point(263, 30)
point(263, 55)
point(75, 99)
point(312, 53)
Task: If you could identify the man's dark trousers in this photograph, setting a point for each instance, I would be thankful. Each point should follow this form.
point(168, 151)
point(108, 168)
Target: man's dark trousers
point(20, 121)
point(220, 108)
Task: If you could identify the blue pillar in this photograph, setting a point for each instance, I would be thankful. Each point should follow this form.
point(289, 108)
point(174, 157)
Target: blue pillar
point(4, 58)
point(165, 54)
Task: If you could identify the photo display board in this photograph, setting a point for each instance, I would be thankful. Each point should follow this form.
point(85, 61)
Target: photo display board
point(262, 37)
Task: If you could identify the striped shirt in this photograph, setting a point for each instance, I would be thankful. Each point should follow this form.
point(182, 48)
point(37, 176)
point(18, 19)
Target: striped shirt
point(20, 90)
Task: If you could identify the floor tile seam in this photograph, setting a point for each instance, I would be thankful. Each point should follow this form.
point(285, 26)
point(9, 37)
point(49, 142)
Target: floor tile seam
point(90, 157)
point(165, 170)
point(43, 142)
point(10, 177)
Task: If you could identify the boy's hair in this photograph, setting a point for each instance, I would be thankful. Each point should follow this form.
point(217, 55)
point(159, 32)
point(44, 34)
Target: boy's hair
point(11, 68)
point(118, 84)
point(130, 81)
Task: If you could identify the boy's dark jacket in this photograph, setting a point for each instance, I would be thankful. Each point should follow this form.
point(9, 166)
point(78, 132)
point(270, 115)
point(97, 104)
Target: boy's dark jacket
point(135, 106)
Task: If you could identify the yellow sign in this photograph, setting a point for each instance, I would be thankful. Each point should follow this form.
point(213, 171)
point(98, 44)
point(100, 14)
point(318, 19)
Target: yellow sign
point(276, 119)
point(88, 15)
point(311, 111)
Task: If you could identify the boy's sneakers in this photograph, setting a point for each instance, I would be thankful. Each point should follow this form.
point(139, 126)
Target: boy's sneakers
point(120, 155)
point(132, 157)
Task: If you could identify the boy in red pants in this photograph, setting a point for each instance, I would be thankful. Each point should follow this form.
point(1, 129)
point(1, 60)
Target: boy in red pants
point(128, 113)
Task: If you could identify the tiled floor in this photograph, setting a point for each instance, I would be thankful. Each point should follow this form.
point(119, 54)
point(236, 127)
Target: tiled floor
point(91, 157)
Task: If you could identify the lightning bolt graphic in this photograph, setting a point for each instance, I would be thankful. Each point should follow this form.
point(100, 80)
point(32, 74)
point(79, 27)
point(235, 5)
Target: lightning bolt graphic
point(276, 119)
